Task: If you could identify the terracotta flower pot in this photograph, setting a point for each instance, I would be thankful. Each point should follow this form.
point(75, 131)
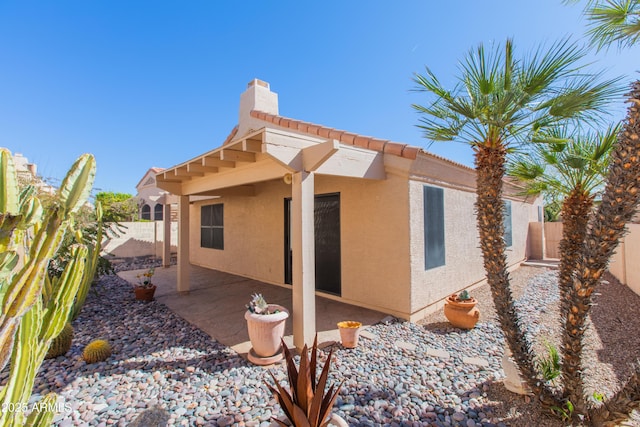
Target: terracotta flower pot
point(461, 314)
point(349, 332)
point(145, 294)
point(266, 331)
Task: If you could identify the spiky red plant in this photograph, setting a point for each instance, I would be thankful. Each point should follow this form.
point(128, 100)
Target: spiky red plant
point(306, 404)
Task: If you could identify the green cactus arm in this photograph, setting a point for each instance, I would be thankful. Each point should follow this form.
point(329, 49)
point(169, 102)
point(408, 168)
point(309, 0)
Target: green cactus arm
point(57, 310)
point(8, 225)
point(8, 261)
point(7, 338)
point(26, 353)
point(76, 186)
point(8, 184)
point(43, 415)
point(27, 284)
point(90, 268)
point(32, 212)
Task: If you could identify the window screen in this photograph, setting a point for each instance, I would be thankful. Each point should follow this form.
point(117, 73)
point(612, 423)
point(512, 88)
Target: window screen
point(433, 227)
point(211, 226)
point(146, 212)
point(158, 210)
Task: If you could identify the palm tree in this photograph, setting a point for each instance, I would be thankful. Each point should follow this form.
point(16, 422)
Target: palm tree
point(572, 168)
point(498, 105)
point(613, 21)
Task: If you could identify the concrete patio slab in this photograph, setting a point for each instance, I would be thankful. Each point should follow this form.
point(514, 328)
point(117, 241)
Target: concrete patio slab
point(216, 304)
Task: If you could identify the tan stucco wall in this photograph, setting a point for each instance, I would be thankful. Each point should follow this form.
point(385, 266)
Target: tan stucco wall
point(374, 234)
point(624, 263)
point(382, 246)
point(463, 267)
point(253, 234)
point(136, 239)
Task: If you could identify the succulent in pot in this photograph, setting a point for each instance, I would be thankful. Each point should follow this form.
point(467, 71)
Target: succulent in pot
point(461, 311)
point(266, 325)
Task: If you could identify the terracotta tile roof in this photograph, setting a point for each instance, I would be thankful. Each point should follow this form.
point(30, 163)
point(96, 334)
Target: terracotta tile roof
point(231, 135)
point(380, 145)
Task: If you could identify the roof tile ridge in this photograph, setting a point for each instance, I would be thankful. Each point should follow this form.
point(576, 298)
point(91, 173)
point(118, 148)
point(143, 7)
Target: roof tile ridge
point(231, 135)
point(346, 137)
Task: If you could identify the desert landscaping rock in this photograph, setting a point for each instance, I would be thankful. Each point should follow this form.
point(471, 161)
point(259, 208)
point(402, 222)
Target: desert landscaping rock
point(162, 363)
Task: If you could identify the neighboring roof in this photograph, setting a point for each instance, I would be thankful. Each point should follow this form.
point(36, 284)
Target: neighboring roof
point(154, 170)
point(380, 145)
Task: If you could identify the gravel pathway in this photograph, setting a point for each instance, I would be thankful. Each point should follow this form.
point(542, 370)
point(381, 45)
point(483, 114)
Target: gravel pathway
point(401, 377)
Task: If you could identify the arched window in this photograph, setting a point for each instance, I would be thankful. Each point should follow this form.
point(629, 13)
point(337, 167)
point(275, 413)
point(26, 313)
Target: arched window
point(145, 212)
point(157, 212)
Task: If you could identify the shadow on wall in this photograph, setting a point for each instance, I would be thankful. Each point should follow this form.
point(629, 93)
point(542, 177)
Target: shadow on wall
point(134, 248)
point(136, 239)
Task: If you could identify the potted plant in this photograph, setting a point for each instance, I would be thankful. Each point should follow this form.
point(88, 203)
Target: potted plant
point(307, 403)
point(461, 311)
point(144, 289)
point(265, 324)
point(349, 332)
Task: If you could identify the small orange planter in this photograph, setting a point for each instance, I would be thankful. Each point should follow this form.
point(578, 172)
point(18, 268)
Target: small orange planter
point(461, 314)
point(349, 332)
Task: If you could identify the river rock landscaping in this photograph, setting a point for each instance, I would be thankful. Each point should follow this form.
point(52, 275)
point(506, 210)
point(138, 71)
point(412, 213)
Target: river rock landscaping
point(401, 374)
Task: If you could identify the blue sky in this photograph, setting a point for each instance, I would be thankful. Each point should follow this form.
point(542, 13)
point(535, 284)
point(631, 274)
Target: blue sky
point(142, 84)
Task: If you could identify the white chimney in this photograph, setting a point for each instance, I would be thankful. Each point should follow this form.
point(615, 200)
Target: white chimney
point(258, 97)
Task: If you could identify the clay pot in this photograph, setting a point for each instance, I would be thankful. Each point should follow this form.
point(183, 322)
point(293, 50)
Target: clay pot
point(266, 332)
point(349, 332)
point(461, 314)
point(145, 294)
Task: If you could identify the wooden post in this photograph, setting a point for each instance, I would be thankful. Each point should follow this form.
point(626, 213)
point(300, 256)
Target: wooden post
point(183, 244)
point(166, 243)
point(303, 247)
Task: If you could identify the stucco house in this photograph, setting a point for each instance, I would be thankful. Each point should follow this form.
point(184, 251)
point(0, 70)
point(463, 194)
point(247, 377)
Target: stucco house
point(151, 199)
point(370, 222)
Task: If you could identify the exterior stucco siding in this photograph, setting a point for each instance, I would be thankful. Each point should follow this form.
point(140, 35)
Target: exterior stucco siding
point(374, 238)
point(253, 234)
point(463, 259)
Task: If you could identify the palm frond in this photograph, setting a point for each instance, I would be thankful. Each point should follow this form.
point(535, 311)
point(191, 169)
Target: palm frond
point(544, 67)
point(614, 22)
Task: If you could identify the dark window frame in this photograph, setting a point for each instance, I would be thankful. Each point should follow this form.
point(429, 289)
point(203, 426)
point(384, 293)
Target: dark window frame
point(145, 212)
point(434, 224)
point(158, 214)
point(212, 226)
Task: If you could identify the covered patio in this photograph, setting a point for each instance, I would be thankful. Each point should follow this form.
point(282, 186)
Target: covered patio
point(252, 161)
point(216, 302)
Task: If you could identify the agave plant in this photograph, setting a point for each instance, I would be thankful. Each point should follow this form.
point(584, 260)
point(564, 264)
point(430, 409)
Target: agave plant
point(306, 404)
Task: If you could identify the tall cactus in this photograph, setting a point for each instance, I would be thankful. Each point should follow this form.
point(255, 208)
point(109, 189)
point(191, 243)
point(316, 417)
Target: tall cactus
point(91, 266)
point(34, 308)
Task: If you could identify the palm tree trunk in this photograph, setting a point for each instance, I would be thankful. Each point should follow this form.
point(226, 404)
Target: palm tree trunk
point(619, 202)
point(490, 167)
point(575, 217)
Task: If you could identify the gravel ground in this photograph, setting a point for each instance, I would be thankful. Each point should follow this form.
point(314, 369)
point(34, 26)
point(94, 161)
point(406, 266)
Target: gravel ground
point(161, 361)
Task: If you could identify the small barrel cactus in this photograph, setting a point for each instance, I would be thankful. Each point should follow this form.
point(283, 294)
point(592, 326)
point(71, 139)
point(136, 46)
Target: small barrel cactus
point(464, 295)
point(62, 343)
point(96, 351)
